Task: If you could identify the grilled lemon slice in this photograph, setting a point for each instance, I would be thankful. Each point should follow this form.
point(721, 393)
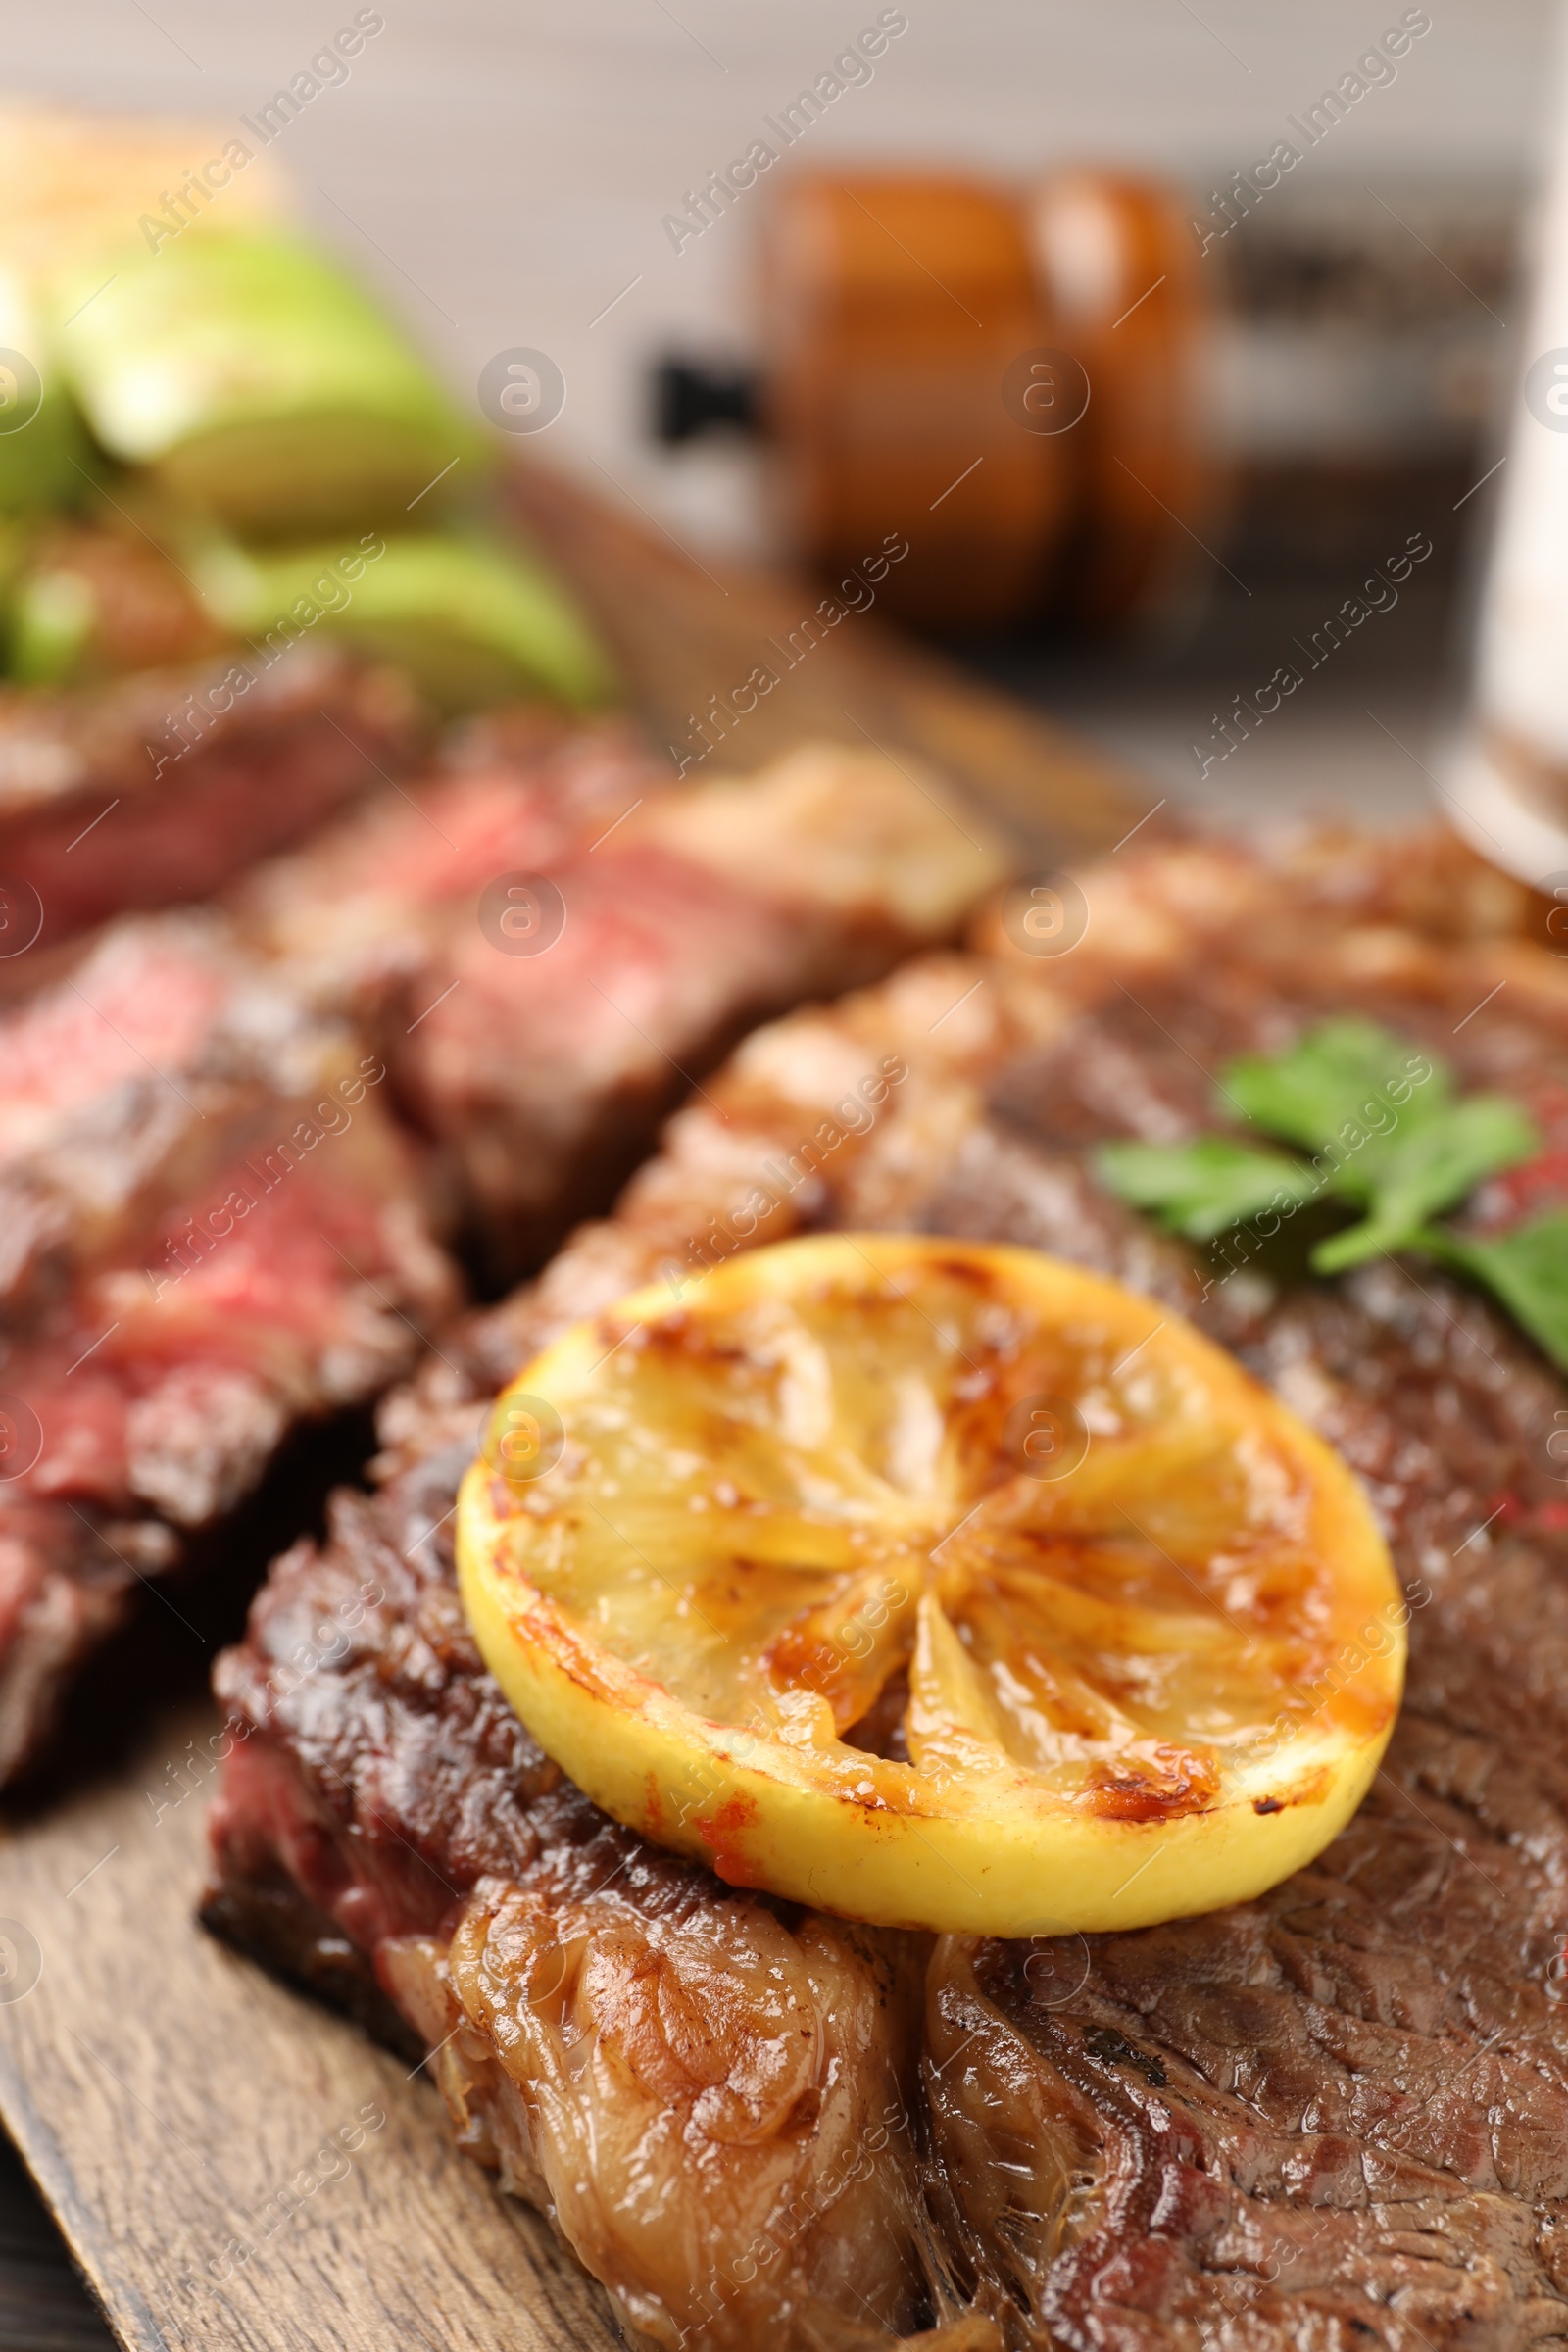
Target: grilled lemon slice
point(937, 1584)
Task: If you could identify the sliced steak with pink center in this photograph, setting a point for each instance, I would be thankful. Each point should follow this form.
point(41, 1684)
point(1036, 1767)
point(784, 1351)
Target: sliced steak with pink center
point(158, 788)
point(552, 942)
point(212, 1234)
point(207, 1243)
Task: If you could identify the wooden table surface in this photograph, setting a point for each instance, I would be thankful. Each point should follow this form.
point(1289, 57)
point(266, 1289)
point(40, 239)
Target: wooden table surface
point(178, 2108)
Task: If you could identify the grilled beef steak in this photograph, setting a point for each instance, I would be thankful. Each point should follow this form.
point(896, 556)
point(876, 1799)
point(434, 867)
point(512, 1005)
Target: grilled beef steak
point(1339, 2113)
point(157, 788)
point(549, 942)
point(210, 1232)
point(162, 1340)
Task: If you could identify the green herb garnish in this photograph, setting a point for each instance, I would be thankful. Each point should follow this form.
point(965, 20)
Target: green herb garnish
point(1386, 1128)
point(1389, 1136)
point(1204, 1188)
point(1525, 1268)
point(1342, 1072)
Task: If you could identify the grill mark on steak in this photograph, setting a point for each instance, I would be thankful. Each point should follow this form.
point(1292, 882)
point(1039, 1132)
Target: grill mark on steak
point(1338, 2112)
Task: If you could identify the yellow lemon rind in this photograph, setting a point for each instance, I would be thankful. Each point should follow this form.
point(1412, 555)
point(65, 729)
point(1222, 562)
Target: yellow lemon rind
point(878, 1841)
point(761, 1817)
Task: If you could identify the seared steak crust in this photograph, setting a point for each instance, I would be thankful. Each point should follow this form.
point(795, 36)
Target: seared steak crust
point(1334, 2115)
point(711, 2062)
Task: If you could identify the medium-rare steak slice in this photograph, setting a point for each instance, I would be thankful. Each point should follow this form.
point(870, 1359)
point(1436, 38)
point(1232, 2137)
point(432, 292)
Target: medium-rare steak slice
point(158, 787)
point(1338, 2113)
point(139, 1086)
point(211, 1233)
point(552, 943)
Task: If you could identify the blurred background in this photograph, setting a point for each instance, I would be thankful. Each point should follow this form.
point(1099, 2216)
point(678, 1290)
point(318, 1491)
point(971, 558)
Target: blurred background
point(509, 177)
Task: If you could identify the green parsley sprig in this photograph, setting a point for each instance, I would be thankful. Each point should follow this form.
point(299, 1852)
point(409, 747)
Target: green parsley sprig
point(1389, 1136)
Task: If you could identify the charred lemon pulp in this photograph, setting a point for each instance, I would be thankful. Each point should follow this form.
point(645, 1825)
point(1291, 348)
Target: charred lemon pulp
point(936, 1584)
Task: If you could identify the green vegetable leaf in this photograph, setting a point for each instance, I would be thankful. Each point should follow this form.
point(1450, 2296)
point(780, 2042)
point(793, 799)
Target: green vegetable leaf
point(1526, 1269)
point(1202, 1189)
point(1417, 1171)
point(1343, 1073)
point(1381, 1119)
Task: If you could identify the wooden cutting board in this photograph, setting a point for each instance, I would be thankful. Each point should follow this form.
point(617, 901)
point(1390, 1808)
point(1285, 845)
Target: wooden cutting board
point(690, 632)
point(231, 2166)
point(235, 2169)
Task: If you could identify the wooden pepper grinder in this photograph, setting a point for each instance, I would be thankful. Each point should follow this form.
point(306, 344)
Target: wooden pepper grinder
point(980, 377)
point(1063, 397)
